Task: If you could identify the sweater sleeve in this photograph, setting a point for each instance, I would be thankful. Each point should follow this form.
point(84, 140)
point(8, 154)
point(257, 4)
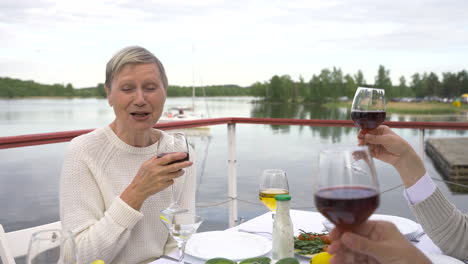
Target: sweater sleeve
point(100, 233)
point(444, 224)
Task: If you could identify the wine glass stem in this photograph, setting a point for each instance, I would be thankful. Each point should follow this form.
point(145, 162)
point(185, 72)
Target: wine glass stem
point(181, 246)
point(173, 200)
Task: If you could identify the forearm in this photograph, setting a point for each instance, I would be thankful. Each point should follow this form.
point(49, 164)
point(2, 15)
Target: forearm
point(411, 168)
point(133, 197)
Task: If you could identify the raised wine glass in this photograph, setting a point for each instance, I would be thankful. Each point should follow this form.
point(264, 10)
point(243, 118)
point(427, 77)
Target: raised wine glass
point(346, 188)
point(52, 246)
point(272, 183)
point(176, 142)
point(368, 110)
point(181, 226)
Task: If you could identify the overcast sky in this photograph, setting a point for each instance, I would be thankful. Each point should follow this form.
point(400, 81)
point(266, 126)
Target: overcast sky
point(232, 42)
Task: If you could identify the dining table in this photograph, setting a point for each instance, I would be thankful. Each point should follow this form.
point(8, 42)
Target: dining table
point(302, 220)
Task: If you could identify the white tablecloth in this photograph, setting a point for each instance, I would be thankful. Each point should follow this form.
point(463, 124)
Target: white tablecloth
point(308, 221)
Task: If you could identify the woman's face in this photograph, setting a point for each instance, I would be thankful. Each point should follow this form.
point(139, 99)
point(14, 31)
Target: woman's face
point(137, 95)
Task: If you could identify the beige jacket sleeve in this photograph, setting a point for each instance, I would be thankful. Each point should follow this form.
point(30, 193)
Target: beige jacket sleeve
point(444, 224)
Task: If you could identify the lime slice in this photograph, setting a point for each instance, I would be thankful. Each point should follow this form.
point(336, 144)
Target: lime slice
point(163, 218)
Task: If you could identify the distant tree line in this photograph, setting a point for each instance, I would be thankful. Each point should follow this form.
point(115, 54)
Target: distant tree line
point(12, 88)
point(333, 84)
point(211, 90)
point(328, 85)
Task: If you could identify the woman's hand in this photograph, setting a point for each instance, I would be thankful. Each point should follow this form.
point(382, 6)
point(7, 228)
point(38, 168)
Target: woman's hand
point(154, 176)
point(374, 242)
point(387, 146)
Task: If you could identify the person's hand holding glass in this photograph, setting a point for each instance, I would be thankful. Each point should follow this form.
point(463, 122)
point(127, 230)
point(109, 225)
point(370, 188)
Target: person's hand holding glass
point(272, 183)
point(177, 142)
point(368, 110)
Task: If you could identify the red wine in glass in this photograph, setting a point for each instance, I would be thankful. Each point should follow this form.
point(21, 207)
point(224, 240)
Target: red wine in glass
point(160, 155)
point(347, 206)
point(368, 120)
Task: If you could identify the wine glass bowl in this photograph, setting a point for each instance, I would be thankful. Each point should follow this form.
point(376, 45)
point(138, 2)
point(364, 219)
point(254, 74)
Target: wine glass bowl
point(181, 227)
point(347, 190)
point(176, 142)
point(272, 183)
point(368, 110)
point(52, 246)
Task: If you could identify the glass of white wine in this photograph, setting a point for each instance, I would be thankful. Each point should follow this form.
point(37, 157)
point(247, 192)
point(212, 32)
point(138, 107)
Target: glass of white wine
point(272, 183)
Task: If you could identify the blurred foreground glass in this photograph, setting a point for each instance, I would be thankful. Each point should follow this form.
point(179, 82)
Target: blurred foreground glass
point(176, 142)
point(272, 183)
point(346, 188)
point(52, 246)
point(368, 110)
point(181, 226)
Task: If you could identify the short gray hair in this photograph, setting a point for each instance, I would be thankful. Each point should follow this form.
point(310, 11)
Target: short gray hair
point(132, 54)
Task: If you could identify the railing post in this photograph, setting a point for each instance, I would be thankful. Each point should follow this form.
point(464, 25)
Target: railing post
point(232, 174)
point(421, 142)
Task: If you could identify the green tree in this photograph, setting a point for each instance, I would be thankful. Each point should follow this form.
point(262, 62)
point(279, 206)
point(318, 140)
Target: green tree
point(359, 78)
point(402, 90)
point(433, 85)
point(383, 81)
point(325, 84)
point(275, 89)
point(417, 85)
point(350, 86)
point(302, 88)
point(450, 85)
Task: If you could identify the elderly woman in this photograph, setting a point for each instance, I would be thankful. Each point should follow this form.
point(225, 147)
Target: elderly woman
point(113, 185)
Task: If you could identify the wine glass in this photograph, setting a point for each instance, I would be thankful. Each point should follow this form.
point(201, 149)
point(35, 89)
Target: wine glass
point(181, 226)
point(346, 188)
point(176, 142)
point(52, 246)
point(368, 110)
point(272, 183)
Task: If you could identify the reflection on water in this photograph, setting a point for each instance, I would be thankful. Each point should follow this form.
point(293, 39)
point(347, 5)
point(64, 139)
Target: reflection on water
point(29, 179)
point(308, 111)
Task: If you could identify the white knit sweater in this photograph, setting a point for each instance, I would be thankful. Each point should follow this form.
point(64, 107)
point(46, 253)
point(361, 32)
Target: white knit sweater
point(97, 168)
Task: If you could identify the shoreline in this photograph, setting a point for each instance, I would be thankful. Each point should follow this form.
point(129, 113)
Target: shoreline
point(421, 108)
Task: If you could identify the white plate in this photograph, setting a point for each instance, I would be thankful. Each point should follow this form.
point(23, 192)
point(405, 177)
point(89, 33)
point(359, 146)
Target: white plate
point(227, 244)
point(442, 259)
point(406, 226)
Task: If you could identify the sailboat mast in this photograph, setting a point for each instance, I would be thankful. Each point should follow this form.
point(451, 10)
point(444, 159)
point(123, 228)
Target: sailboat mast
point(193, 78)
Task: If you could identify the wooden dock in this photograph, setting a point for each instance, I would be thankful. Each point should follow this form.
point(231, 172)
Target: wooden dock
point(450, 156)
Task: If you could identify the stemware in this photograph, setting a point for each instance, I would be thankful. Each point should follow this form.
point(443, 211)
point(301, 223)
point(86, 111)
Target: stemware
point(181, 227)
point(176, 142)
point(52, 246)
point(368, 110)
point(272, 183)
point(346, 188)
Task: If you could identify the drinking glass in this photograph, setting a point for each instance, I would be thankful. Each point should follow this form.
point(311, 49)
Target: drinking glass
point(368, 110)
point(272, 183)
point(176, 142)
point(181, 226)
point(52, 246)
point(346, 188)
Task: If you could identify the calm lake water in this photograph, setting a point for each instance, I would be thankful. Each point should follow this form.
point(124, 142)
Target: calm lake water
point(30, 175)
